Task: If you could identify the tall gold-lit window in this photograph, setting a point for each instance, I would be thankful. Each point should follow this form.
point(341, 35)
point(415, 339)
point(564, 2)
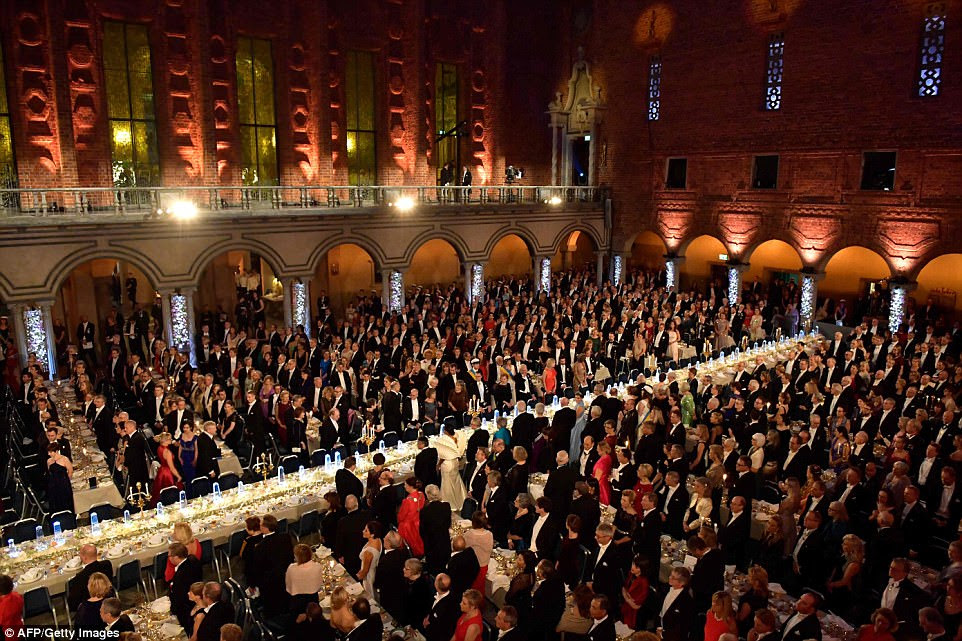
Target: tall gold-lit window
point(446, 114)
point(130, 105)
point(361, 132)
point(255, 100)
point(8, 168)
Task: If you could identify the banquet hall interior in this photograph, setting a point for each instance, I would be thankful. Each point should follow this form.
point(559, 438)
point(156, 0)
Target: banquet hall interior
point(481, 320)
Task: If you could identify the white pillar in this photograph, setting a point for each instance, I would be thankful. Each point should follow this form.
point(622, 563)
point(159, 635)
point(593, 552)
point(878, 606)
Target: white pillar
point(191, 324)
point(897, 293)
point(808, 302)
point(478, 290)
point(300, 305)
point(600, 267)
point(35, 334)
point(20, 330)
point(386, 288)
point(396, 301)
point(735, 282)
point(542, 273)
point(673, 271)
point(616, 274)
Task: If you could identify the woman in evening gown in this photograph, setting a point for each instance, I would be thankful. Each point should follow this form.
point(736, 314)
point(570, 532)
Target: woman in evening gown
point(167, 475)
point(60, 469)
point(450, 450)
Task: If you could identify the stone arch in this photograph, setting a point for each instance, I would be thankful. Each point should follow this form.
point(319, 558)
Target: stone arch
point(371, 247)
point(432, 264)
point(203, 260)
point(342, 272)
point(503, 262)
point(63, 270)
point(639, 256)
point(848, 270)
point(688, 240)
point(772, 254)
point(460, 247)
point(702, 262)
point(520, 232)
point(941, 279)
point(563, 235)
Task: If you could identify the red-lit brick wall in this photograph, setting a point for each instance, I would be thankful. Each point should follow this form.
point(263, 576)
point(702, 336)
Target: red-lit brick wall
point(850, 77)
point(54, 66)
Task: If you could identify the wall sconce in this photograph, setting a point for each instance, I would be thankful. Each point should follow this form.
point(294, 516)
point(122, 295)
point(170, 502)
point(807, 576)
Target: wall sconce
point(335, 269)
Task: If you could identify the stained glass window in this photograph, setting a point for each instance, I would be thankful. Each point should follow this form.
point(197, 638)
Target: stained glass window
point(933, 47)
point(255, 103)
point(8, 166)
point(135, 161)
point(446, 113)
point(654, 88)
point(774, 68)
point(361, 132)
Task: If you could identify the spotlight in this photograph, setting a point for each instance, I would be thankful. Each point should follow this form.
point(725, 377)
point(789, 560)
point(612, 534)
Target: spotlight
point(404, 203)
point(183, 210)
point(554, 200)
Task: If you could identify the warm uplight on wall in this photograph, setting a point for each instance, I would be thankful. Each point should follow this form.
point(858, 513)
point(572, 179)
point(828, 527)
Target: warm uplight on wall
point(554, 200)
point(404, 204)
point(351, 143)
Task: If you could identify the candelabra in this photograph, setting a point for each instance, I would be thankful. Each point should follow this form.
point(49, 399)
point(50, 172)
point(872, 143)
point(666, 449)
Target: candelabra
point(264, 466)
point(367, 434)
point(138, 497)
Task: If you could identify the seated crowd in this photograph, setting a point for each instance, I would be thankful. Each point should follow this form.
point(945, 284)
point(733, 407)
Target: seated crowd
point(842, 458)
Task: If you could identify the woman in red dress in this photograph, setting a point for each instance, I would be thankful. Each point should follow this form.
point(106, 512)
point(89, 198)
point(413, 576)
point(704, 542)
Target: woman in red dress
point(635, 591)
point(409, 516)
point(167, 475)
point(469, 625)
point(602, 472)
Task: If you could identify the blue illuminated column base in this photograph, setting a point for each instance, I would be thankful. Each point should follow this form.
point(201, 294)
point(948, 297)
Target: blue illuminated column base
point(617, 269)
point(673, 271)
point(300, 312)
point(735, 283)
point(543, 273)
point(898, 292)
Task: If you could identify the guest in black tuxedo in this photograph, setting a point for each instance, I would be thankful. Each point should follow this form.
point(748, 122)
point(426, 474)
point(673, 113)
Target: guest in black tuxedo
point(218, 613)
point(187, 571)
point(497, 507)
point(904, 598)
point(442, 619)
point(548, 600)
point(390, 573)
point(674, 502)
point(113, 616)
point(506, 622)
point(602, 624)
point(647, 535)
point(804, 624)
point(349, 542)
point(136, 458)
point(603, 569)
point(346, 481)
point(475, 475)
point(746, 482)
point(205, 460)
point(560, 486)
point(808, 555)
point(77, 585)
point(545, 532)
point(434, 527)
point(462, 567)
point(426, 464)
point(677, 616)
point(271, 558)
point(734, 535)
point(708, 576)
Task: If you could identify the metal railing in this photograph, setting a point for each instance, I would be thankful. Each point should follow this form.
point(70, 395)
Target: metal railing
point(81, 201)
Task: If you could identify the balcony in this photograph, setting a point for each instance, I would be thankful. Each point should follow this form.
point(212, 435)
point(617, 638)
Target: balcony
point(104, 204)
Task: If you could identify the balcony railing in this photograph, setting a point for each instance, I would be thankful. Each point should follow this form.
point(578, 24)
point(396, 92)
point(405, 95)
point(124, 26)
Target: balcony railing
point(182, 200)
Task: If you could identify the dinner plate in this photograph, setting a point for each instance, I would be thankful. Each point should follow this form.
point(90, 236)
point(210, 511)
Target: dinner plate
point(25, 580)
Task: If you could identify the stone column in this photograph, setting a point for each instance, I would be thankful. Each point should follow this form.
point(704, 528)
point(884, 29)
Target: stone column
point(301, 303)
point(808, 302)
point(478, 290)
point(46, 308)
point(165, 295)
point(397, 291)
point(554, 154)
point(386, 288)
point(542, 273)
point(591, 156)
point(617, 271)
point(288, 308)
point(17, 309)
point(673, 271)
point(188, 293)
point(898, 290)
point(600, 267)
point(735, 282)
